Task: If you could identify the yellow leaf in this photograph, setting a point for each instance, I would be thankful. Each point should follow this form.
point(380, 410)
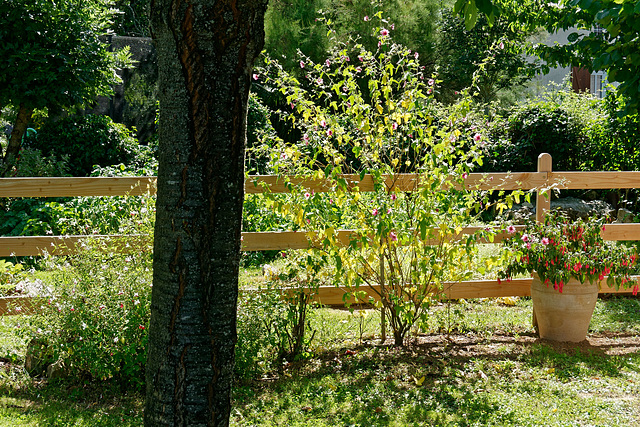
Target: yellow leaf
point(419, 381)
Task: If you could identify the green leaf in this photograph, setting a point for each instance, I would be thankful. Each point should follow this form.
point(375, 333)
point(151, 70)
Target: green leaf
point(470, 15)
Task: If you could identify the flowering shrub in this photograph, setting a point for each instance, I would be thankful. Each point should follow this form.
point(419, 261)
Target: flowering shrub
point(558, 250)
point(371, 114)
point(95, 310)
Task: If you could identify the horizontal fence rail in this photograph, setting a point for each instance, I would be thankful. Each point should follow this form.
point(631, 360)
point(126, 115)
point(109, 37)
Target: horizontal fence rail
point(541, 181)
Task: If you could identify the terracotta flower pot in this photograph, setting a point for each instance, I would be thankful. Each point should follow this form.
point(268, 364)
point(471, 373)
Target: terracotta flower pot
point(563, 316)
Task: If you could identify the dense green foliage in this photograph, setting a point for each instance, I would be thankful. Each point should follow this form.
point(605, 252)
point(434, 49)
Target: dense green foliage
point(51, 52)
point(89, 141)
point(489, 57)
point(293, 26)
point(52, 56)
point(580, 133)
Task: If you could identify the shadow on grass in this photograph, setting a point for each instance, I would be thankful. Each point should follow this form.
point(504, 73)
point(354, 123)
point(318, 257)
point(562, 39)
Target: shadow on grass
point(379, 385)
point(64, 404)
point(619, 313)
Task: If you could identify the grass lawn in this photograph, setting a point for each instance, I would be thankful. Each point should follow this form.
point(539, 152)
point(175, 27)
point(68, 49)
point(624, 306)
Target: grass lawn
point(478, 364)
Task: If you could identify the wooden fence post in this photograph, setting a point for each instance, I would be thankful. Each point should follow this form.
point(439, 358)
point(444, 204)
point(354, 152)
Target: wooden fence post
point(543, 201)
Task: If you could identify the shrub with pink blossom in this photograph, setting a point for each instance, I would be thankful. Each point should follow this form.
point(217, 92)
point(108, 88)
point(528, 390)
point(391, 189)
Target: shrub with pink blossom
point(94, 315)
point(405, 242)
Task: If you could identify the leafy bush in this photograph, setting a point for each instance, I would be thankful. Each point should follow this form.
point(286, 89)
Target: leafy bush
point(87, 141)
point(273, 326)
point(31, 162)
point(94, 321)
point(256, 348)
point(9, 273)
point(79, 215)
point(614, 137)
point(531, 129)
point(259, 127)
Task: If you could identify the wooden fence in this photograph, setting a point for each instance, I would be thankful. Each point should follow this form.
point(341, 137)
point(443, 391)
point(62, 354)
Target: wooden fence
point(541, 181)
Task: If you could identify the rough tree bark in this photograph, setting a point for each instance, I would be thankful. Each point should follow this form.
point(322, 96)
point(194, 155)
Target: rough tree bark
point(206, 50)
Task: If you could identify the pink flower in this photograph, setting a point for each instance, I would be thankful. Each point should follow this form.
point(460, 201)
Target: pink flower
point(361, 58)
point(319, 81)
point(358, 69)
point(366, 18)
point(393, 236)
point(307, 195)
point(501, 45)
point(327, 63)
point(255, 77)
point(384, 32)
point(465, 175)
point(416, 55)
point(477, 137)
point(329, 132)
point(525, 237)
point(323, 123)
point(511, 229)
point(374, 212)
point(545, 240)
point(394, 197)
point(528, 245)
point(141, 327)
point(431, 82)
point(301, 64)
point(394, 126)
point(389, 211)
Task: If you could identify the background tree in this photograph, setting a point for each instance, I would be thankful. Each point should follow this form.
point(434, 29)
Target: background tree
point(490, 57)
point(133, 19)
point(206, 50)
point(52, 55)
point(295, 25)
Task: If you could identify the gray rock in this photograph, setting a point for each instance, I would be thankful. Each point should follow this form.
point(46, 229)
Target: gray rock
point(38, 356)
point(577, 208)
point(624, 216)
point(57, 370)
point(574, 208)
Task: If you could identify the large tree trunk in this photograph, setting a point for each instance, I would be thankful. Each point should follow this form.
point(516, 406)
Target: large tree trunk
point(15, 141)
point(206, 50)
